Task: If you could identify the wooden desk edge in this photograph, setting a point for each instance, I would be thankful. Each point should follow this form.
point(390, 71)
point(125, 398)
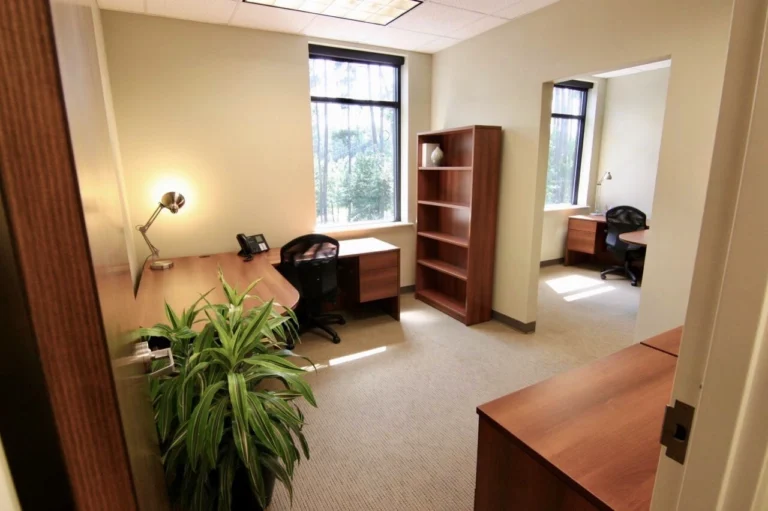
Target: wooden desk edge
point(667, 342)
point(554, 469)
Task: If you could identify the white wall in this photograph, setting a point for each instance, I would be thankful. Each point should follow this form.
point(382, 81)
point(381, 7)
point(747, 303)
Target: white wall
point(222, 114)
point(497, 78)
point(632, 129)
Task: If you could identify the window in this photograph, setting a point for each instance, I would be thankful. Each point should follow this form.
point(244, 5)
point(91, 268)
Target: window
point(566, 141)
point(356, 135)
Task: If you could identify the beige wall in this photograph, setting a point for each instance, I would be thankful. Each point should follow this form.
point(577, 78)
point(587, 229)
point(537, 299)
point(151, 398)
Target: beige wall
point(222, 114)
point(8, 499)
point(497, 77)
point(634, 115)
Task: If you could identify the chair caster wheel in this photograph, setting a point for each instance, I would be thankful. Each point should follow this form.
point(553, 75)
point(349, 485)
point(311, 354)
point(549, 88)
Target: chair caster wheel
point(602, 277)
point(634, 284)
point(343, 321)
point(336, 340)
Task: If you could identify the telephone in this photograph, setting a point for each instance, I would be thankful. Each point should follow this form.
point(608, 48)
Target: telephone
point(250, 245)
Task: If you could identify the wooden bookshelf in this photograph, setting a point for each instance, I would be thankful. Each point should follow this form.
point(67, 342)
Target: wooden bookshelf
point(457, 203)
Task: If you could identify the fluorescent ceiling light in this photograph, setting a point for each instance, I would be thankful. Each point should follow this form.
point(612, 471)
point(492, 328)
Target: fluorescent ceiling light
point(378, 12)
point(637, 69)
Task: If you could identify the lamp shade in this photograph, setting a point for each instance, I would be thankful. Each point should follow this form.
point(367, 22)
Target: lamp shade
point(172, 201)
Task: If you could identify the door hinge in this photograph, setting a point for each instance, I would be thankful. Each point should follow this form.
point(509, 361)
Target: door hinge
point(676, 430)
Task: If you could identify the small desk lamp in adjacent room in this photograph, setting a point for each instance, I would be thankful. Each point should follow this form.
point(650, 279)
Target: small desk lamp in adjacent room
point(173, 202)
point(605, 177)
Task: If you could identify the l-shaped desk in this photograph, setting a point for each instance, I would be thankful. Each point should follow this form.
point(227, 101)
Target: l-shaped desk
point(369, 272)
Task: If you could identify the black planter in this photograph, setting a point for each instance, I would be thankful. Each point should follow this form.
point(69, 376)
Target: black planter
point(243, 498)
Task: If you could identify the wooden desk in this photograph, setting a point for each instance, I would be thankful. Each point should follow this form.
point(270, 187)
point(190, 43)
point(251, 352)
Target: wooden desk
point(636, 237)
point(584, 440)
point(668, 342)
point(586, 235)
point(369, 271)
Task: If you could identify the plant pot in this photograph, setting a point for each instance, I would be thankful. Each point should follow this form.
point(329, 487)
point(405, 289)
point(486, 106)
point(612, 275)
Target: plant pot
point(243, 498)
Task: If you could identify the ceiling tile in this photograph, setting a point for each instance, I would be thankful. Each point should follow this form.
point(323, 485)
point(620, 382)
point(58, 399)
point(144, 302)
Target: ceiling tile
point(395, 38)
point(270, 18)
point(478, 27)
point(122, 5)
point(523, 8)
point(484, 6)
point(335, 28)
point(435, 19)
point(210, 11)
point(437, 45)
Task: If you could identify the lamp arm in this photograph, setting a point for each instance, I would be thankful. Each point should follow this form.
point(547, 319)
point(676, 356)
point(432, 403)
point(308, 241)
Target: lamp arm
point(144, 228)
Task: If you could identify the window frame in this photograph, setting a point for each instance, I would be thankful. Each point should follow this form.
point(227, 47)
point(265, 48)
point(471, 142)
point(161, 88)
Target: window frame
point(583, 88)
point(318, 52)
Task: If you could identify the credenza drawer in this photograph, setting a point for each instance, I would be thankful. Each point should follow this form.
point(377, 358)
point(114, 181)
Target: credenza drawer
point(370, 262)
point(577, 224)
point(379, 283)
point(581, 241)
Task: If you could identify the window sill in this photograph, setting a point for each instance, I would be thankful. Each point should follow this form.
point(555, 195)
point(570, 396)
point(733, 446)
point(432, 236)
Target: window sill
point(564, 207)
point(346, 229)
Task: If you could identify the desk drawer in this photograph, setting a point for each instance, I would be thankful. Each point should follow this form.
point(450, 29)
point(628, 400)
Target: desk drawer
point(378, 284)
point(370, 262)
point(577, 224)
point(581, 241)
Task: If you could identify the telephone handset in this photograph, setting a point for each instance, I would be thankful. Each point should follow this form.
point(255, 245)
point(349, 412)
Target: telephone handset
point(251, 245)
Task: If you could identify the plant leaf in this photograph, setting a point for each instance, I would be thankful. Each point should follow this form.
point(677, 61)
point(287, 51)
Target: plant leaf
point(173, 319)
point(216, 429)
point(199, 421)
point(227, 469)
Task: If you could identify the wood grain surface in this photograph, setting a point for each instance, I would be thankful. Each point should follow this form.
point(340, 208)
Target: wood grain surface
point(48, 225)
point(596, 427)
point(509, 479)
point(641, 238)
point(192, 276)
point(668, 342)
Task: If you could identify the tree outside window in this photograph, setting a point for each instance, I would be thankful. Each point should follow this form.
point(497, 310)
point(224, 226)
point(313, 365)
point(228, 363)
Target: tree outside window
point(355, 131)
point(566, 140)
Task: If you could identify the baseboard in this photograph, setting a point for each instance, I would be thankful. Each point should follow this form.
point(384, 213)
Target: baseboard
point(526, 328)
point(408, 289)
point(552, 262)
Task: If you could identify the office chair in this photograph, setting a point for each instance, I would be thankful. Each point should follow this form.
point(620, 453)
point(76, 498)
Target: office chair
point(619, 220)
point(310, 264)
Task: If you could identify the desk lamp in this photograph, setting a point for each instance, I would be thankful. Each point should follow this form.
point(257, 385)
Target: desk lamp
point(605, 177)
point(173, 202)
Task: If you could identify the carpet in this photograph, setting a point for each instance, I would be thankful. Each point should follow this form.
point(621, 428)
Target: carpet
point(396, 429)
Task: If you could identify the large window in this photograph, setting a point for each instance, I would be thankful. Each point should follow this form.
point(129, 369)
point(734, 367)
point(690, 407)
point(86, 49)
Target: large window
point(356, 135)
point(566, 141)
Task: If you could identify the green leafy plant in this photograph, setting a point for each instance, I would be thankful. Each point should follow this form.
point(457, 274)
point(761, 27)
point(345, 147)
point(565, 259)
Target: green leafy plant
point(231, 411)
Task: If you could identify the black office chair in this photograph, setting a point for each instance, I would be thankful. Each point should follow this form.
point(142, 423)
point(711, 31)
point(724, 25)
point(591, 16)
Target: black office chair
point(619, 220)
point(310, 263)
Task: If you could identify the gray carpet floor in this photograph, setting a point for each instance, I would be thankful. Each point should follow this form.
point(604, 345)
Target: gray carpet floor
point(397, 429)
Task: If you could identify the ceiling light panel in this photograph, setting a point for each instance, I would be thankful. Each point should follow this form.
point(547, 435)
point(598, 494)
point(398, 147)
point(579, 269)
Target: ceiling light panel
point(378, 12)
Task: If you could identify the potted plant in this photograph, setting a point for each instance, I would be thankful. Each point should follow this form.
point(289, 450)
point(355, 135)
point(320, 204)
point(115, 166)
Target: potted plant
point(228, 421)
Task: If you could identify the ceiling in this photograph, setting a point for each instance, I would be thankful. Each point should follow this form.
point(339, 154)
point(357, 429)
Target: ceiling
point(429, 28)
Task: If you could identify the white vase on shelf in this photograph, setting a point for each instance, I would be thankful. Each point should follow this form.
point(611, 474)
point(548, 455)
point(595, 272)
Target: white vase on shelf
point(437, 156)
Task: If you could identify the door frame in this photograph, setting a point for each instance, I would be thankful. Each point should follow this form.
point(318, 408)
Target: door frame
point(58, 367)
point(722, 368)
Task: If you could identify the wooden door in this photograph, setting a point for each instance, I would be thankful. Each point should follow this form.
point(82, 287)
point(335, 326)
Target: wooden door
point(725, 323)
point(82, 435)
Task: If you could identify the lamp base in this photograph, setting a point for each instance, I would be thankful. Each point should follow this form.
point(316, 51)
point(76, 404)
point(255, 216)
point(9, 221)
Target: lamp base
point(161, 265)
